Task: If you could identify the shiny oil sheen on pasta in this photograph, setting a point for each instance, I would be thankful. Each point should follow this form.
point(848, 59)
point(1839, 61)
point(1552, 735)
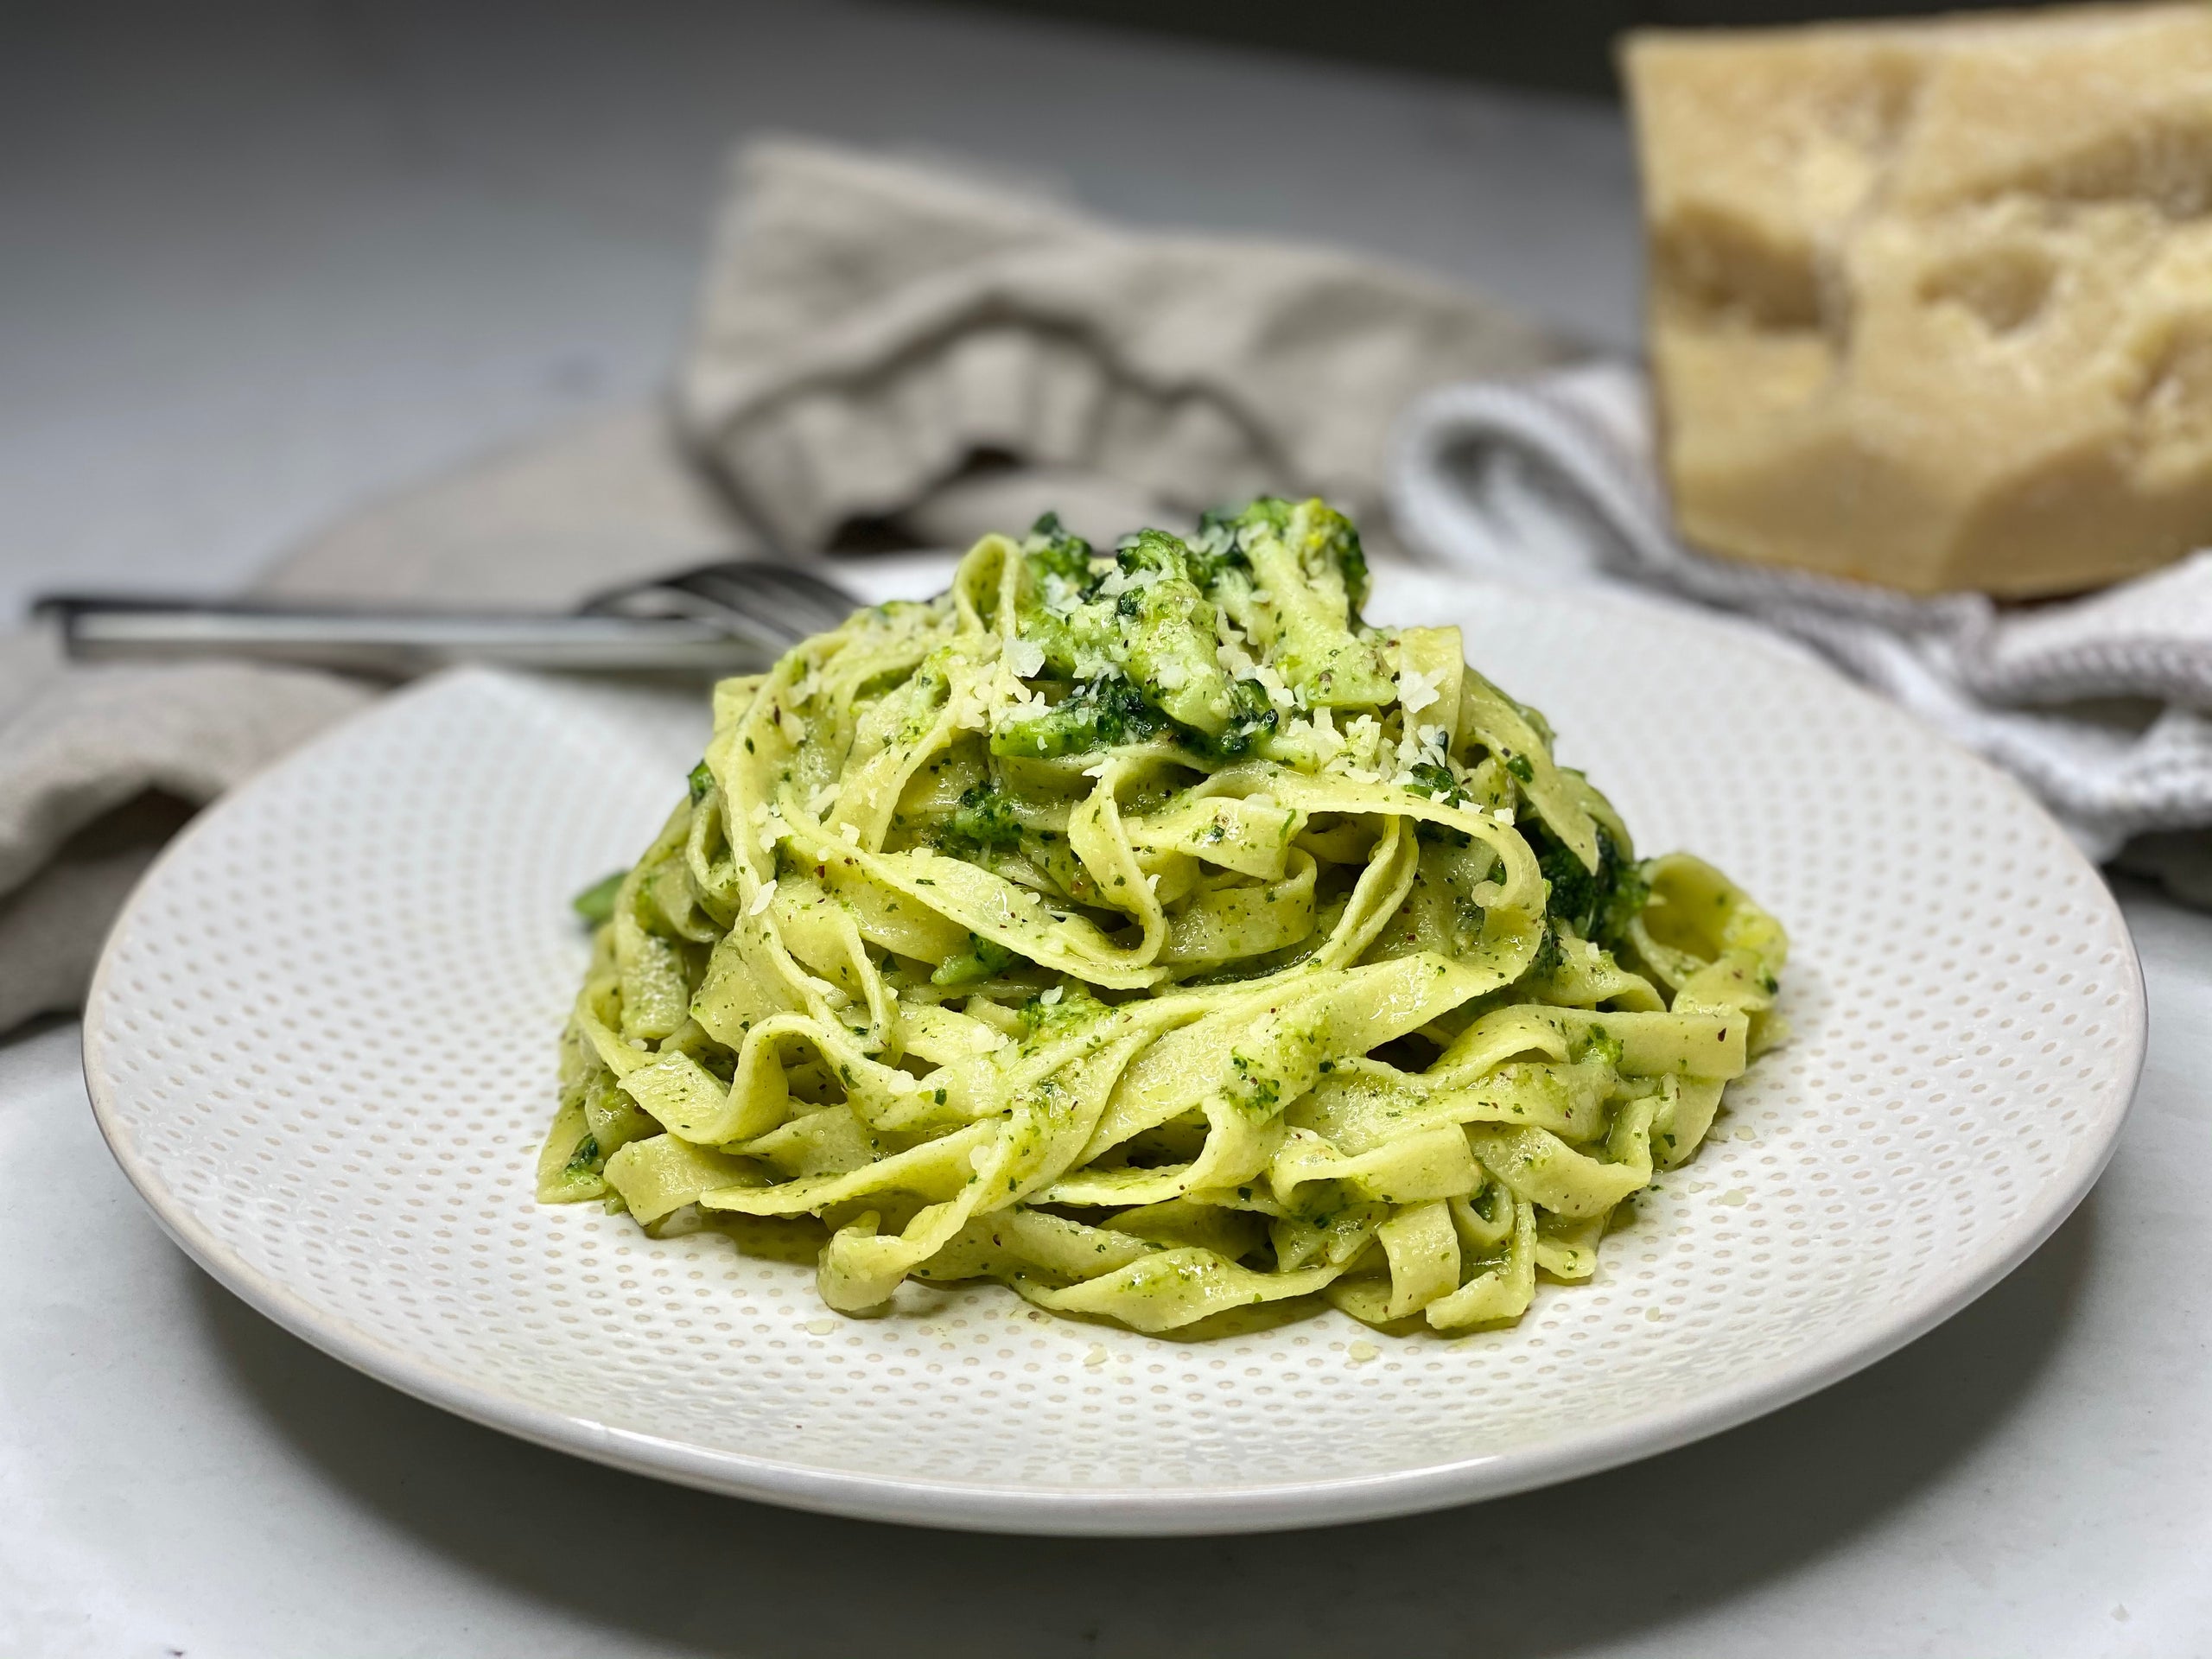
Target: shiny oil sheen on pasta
point(1145, 931)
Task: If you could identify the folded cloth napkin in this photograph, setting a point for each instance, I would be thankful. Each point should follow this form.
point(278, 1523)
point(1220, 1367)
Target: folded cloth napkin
point(2093, 703)
point(929, 356)
point(886, 353)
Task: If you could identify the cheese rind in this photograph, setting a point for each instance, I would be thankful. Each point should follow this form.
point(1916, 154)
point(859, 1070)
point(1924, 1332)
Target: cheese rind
point(1931, 303)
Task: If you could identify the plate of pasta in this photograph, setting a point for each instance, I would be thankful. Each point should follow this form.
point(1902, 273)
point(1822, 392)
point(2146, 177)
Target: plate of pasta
point(1154, 1037)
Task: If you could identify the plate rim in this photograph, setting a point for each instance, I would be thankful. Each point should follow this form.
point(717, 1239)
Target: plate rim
point(1109, 1510)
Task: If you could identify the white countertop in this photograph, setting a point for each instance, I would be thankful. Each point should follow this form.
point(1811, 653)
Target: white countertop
point(259, 270)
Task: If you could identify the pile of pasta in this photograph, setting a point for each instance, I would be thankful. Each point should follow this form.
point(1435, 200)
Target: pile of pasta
point(1143, 930)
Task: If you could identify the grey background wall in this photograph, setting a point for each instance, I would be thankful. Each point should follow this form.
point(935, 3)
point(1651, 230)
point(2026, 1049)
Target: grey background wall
point(1565, 45)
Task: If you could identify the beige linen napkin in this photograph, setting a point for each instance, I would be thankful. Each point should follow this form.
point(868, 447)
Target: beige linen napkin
point(886, 353)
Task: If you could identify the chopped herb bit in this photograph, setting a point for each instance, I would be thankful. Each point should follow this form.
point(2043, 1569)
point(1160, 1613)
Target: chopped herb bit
point(595, 904)
point(1436, 782)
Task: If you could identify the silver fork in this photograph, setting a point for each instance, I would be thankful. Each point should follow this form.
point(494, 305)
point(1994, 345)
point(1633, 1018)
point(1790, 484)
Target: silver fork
point(734, 617)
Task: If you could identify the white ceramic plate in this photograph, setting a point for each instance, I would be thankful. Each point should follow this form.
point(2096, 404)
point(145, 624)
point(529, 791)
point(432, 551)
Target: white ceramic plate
point(321, 1045)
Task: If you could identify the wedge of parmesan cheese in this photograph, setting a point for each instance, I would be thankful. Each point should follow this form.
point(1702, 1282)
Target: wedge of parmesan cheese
point(1931, 303)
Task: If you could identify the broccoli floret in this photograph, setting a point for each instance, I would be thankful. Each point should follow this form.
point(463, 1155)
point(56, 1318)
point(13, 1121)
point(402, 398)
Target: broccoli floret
point(1214, 550)
point(1574, 892)
point(1151, 616)
point(984, 820)
point(1625, 894)
point(1167, 632)
point(1269, 510)
point(1100, 714)
point(1105, 713)
point(1252, 717)
point(1598, 905)
point(1153, 550)
point(1053, 559)
point(1056, 1010)
point(1146, 616)
point(1052, 550)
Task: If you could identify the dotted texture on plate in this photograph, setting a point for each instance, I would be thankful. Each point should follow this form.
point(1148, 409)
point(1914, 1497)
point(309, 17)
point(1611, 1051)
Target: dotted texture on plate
point(323, 1041)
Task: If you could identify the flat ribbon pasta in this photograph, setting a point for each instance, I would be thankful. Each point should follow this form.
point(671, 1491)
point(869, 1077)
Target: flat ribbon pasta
point(1146, 932)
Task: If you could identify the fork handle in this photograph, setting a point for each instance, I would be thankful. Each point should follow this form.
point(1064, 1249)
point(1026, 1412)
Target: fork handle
point(389, 644)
